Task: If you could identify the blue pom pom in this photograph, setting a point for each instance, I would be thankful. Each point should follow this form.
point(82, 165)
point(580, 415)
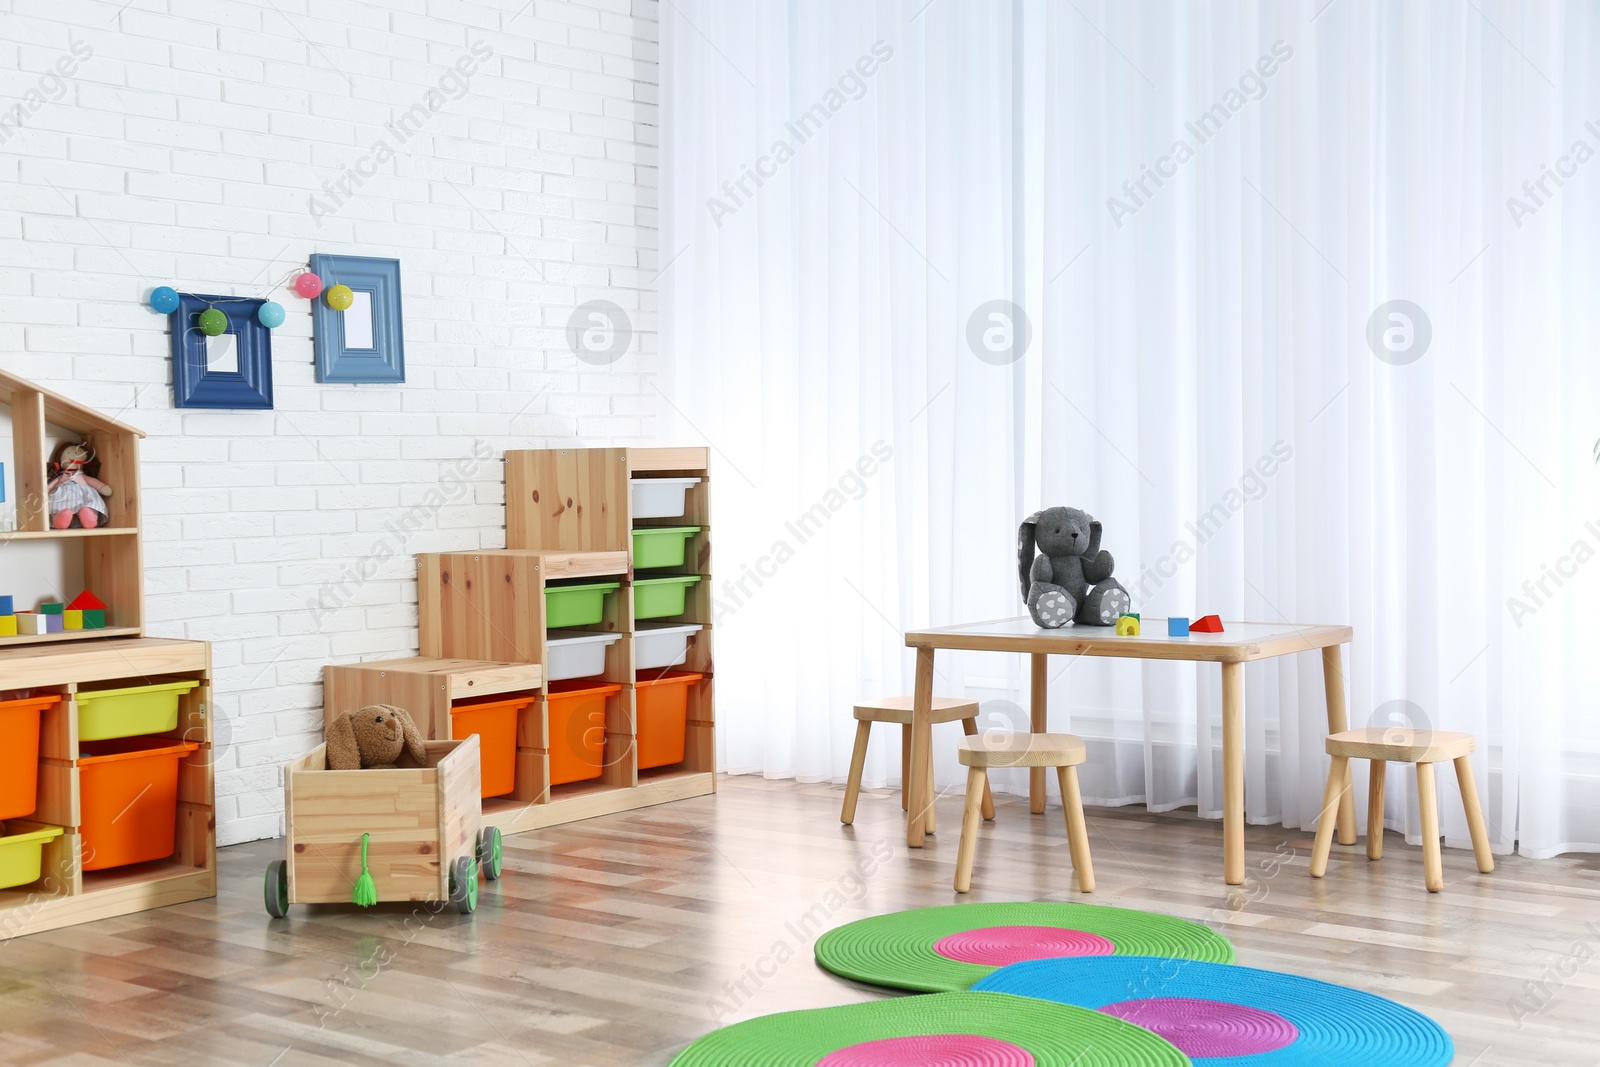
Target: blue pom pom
point(164, 298)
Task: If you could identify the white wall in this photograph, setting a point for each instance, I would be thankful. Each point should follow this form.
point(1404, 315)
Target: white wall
point(180, 142)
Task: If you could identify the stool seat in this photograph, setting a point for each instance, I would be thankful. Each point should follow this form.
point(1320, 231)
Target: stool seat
point(1400, 745)
point(1064, 752)
point(898, 710)
point(997, 749)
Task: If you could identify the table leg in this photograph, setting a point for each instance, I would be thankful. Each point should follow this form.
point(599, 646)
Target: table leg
point(920, 787)
point(1233, 773)
point(1040, 714)
point(1338, 722)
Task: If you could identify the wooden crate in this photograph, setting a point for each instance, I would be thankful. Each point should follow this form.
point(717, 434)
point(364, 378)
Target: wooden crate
point(421, 821)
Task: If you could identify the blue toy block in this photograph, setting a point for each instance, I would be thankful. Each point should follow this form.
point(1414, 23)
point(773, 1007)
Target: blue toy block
point(6, 606)
point(1177, 627)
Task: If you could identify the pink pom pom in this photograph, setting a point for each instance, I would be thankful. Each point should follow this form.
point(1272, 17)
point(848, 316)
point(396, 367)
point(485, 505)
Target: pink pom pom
point(308, 285)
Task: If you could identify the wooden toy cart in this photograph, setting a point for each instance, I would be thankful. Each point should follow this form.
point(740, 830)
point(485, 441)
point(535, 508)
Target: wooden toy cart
point(426, 840)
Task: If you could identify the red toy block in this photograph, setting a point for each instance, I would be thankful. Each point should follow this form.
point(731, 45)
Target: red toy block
point(1206, 624)
point(86, 601)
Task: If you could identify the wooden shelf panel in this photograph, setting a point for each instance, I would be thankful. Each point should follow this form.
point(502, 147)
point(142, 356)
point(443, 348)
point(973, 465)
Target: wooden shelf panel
point(69, 635)
point(68, 535)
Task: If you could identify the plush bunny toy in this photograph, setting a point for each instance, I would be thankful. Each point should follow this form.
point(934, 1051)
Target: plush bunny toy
point(1071, 580)
point(374, 737)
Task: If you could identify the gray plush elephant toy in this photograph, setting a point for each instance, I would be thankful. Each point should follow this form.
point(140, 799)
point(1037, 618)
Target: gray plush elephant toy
point(1070, 580)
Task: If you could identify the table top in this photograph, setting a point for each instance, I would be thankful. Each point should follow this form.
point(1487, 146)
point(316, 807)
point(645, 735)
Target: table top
point(1239, 641)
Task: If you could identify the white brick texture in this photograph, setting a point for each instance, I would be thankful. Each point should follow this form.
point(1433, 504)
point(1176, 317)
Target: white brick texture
point(503, 151)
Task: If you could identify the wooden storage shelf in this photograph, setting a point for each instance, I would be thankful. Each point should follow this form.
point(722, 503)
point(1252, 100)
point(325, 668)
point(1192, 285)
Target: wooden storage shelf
point(66, 894)
point(53, 535)
point(69, 635)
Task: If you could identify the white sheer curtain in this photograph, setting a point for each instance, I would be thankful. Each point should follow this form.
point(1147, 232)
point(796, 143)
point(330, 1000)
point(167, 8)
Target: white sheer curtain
point(848, 186)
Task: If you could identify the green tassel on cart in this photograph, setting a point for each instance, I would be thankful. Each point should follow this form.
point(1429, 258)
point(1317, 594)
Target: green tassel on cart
point(365, 893)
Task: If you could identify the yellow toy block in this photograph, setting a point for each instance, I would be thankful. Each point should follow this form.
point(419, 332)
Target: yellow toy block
point(8, 626)
point(72, 620)
point(1127, 626)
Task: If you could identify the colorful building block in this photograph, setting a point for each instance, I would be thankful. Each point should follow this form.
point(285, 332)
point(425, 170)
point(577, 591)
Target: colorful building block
point(52, 608)
point(29, 622)
point(94, 619)
point(71, 619)
point(6, 606)
point(1206, 624)
point(8, 626)
point(86, 601)
point(52, 624)
point(1127, 626)
point(1177, 627)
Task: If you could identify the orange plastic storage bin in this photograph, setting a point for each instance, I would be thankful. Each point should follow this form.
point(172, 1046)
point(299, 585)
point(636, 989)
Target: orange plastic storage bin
point(578, 729)
point(129, 792)
point(663, 711)
point(495, 723)
point(19, 754)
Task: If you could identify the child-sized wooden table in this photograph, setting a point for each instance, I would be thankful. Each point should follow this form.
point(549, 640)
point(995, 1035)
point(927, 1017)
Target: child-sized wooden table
point(1238, 644)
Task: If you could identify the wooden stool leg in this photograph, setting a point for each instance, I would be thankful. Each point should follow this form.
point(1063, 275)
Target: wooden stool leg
point(1338, 774)
point(970, 728)
point(932, 823)
point(1469, 798)
point(905, 765)
point(1077, 828)
point(977, 778)
point(1428, 807)
point(1377, 778)
point(858, 764)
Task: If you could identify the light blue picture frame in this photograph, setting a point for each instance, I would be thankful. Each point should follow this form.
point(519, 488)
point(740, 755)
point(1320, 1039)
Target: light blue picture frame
point(384, 362)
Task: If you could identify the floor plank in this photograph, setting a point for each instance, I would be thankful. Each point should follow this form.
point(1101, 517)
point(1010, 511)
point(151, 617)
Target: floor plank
point(619, 940)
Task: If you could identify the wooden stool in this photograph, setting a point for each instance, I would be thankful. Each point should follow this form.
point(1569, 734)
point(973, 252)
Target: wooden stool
point(1383, 745)
point(898, 709)
point(1063, 752)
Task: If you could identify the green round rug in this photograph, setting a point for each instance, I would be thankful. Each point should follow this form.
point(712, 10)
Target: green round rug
point(967, 1029)
point(937, 950)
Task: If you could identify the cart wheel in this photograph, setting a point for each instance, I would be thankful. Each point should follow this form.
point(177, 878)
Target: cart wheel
point(464, 885)
point(276, 889)
point(490, 854)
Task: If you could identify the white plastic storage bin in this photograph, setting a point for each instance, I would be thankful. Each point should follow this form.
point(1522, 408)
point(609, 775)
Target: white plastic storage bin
point(576, 654)
point(659, 498)
point(658, 647)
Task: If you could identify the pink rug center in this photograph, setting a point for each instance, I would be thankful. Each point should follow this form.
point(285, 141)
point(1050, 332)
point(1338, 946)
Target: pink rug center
point(1208, 1028)
point(1000, 946)
point(932, 1050)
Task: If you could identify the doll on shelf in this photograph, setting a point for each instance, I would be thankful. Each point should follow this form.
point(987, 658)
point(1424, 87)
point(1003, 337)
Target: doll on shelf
point(75, 493)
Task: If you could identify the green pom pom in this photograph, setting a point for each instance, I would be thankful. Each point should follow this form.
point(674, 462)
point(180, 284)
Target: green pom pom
point(213, 322)
point(365, 893)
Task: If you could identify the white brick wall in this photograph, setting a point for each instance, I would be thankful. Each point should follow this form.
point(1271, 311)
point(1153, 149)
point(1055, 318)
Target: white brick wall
point(185, 151)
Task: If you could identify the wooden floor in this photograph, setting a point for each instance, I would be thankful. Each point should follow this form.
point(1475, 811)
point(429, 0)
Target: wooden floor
point(619, 940)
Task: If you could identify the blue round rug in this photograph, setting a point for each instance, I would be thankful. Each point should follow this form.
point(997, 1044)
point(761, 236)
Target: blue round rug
point(1221, 1015)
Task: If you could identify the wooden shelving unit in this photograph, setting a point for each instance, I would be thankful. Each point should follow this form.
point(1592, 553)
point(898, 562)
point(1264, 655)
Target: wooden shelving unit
point(70, 662)
point(482, 614)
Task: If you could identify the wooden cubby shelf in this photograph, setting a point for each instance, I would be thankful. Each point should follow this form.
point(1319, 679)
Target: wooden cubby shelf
point(569, 517)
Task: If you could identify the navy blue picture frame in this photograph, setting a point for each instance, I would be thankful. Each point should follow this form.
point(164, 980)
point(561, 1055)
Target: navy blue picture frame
point(194, 384)
point(385, 361)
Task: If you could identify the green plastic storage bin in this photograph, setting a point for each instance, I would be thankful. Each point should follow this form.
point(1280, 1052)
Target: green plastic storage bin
point(22, 854)
point(140, 709)
point(661, 546)
point(657, 598)
point(576, 605)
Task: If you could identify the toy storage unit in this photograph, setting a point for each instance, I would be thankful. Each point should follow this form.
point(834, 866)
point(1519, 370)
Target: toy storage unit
point(426, 841)
point(121, 824)
point(106, 790)
point(566, 595)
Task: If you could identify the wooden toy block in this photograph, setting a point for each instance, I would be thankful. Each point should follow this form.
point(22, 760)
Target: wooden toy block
point(8, 626)
point(52, 608)
point(1177, 627)
point(86, 600)
point(94, 620)
point(29, 623)
point(1127, 626)
point(72, 620)
point(52, 624)
point(6, 606)
point(1206, 624)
